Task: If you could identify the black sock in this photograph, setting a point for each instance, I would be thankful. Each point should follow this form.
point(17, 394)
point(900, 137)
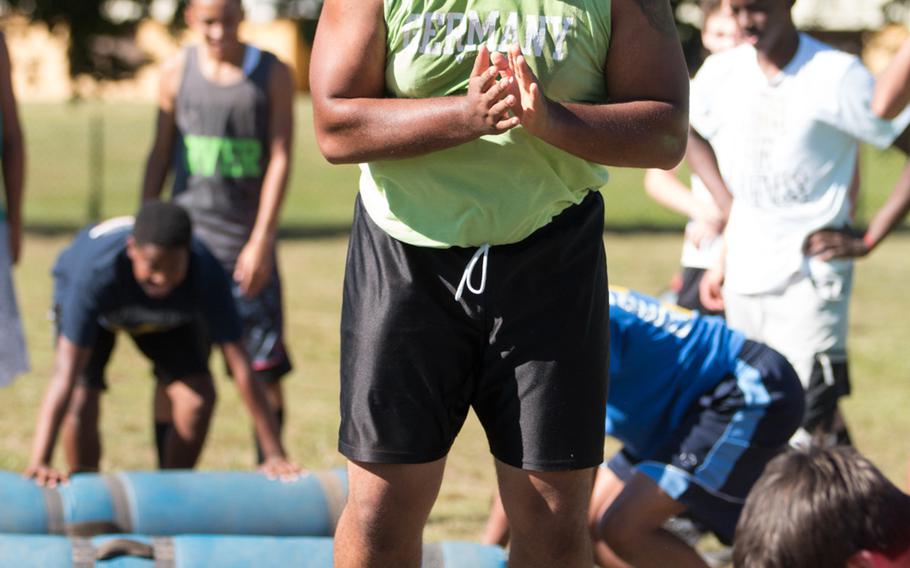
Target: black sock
point(279, 419)
point(162, 429)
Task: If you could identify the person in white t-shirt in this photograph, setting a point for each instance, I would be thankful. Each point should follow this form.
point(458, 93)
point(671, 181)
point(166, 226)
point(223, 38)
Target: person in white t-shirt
point(702, 245)
point(776, 124)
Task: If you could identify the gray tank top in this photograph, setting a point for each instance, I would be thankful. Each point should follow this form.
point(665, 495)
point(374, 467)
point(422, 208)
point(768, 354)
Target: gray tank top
point(222, 151)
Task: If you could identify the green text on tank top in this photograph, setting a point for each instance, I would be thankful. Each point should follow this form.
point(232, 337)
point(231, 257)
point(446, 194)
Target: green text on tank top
point(497, 189)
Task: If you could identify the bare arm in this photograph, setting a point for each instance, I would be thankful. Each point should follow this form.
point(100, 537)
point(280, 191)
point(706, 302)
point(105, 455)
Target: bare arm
point(892, 86)
point(70, 360)
point(703, 162)
point(13, 153)
point(644, 122)
point(276, 462)
point(834, 243)
point(159, 159)
point(665, 188)
point(642, 125)
point(853, 191)
point(254, 264)
point(355, 123)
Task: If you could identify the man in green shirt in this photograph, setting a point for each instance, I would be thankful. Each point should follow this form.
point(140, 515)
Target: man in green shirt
point(476, 275)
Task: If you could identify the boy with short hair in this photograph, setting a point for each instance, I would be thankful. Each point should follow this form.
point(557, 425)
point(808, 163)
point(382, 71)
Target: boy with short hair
point(153, 281)
point(823, 508)
point(775, 127)
point(225, 126)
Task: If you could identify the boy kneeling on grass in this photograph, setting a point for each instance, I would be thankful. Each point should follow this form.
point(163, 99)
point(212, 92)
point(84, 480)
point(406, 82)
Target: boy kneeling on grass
point(151, 279)
point(700, 410)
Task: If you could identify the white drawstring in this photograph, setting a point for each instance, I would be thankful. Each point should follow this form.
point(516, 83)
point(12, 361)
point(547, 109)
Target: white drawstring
point(484, 251)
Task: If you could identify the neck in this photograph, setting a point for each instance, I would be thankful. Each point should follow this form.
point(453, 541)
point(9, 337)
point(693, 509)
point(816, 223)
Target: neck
point(778, 56)
point(232, 55)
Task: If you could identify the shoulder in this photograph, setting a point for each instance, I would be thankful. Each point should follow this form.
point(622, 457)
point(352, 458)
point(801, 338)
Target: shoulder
point(279, 75)
point(724, 66)
point(171, 70)
point(823, 61)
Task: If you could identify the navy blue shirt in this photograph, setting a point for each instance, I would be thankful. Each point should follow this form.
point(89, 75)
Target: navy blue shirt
point(663, 358)
point(94, 284)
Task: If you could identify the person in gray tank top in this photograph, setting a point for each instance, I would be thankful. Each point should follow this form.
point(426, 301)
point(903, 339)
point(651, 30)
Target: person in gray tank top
point(225, 125)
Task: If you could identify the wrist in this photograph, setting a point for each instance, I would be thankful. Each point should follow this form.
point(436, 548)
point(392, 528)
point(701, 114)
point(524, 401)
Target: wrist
point(868, 241)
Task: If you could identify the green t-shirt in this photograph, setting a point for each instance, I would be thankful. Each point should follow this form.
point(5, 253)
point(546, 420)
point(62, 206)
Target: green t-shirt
point(496, 189)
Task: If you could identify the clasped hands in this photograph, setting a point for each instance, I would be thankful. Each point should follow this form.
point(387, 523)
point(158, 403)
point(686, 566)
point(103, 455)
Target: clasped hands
point(503, 92)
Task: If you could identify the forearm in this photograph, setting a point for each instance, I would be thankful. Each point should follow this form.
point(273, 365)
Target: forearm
point(892, 86)
point(665, 188)
point(156, 169)
point(274, 185)
point(50, 417)
point(369, 129)
point(892, 212)
point(641, 134)
point(703, 161)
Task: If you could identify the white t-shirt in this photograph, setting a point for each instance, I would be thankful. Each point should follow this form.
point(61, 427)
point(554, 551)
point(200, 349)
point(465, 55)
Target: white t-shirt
point(706, 253)
point(787, 151)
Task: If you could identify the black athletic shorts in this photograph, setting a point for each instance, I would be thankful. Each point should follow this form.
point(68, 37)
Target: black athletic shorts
point(175, 354)
point(530, 354)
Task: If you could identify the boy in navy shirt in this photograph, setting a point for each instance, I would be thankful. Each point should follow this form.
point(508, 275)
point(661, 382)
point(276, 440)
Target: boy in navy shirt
point(151, 280)
point(700, 410)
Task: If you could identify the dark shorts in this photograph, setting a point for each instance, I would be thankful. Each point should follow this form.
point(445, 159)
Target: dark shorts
point(175, 354)
point(688, 292)
point(726, 440)
point(530, 354)
point(263, 330)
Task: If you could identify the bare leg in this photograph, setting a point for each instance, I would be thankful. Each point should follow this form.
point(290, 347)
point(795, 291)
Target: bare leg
point(274, 397)
point(631, 527)
point(607, 488)
point(497, 530)
point(81, 439)
point(164, 421)
point(387, 508)
point(547, 512)
point(192, 401)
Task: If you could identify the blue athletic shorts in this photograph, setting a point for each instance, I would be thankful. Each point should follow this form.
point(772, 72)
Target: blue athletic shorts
point(263, 330)
point(726, 440)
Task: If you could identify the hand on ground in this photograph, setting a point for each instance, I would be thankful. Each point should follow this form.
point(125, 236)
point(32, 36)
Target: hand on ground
point(281, 468)
point(46, 476)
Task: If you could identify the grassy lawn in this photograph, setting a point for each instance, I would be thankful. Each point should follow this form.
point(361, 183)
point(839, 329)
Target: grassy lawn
point(313, 272)
point(60, 161)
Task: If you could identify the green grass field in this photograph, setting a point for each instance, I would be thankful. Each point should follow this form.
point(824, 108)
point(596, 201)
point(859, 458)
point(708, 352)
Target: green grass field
point(321, 197)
